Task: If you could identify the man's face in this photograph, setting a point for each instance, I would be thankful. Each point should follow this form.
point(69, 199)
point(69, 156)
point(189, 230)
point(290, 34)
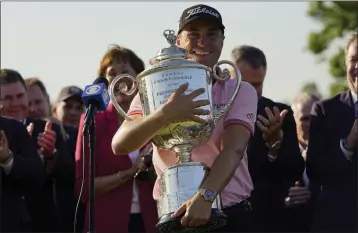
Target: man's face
point(203, 40)
point(352, 66)
point(38, 102)
point(253, 76)
point(302, 117)
point(14, 101)
point(118, 68)
point(69, 111)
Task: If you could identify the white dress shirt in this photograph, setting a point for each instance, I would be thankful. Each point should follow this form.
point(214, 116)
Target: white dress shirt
point(348, 154)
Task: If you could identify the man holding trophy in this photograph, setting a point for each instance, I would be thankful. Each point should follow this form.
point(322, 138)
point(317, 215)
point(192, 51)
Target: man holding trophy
point(200, 129)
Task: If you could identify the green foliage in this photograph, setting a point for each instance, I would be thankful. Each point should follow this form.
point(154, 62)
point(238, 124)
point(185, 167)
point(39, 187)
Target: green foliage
point(337, 87)
point(311, 87)
point(338, 19)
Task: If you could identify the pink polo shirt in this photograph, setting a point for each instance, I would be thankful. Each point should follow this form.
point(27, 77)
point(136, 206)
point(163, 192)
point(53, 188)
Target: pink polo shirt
point(243, 111)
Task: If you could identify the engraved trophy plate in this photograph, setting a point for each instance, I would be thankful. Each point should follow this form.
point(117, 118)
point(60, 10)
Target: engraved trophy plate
point(178, 183)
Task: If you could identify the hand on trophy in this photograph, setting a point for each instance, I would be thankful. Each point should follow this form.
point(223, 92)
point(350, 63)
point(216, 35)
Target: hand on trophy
point(197, 212)
point(271, 127)
point(180, 107)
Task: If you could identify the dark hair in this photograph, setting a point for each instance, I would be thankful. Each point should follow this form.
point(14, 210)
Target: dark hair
point(117, 53)
point(33, 81)
point(252, 55)
point(9, 76)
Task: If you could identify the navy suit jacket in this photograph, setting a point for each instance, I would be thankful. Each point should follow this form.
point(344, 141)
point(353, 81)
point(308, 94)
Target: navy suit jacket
point(336, 205)
point(272, 180)
point(47, 206)
point(27, 174)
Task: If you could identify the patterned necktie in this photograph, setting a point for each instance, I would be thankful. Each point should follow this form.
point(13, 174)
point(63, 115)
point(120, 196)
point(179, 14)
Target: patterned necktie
point(356, 109)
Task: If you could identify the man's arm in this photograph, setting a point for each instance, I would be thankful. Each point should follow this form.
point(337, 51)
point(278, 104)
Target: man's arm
point(238, 127)
point(143, 129)
point(27, 168)
point(234, 142)
point(289, 162)
point(324, 162)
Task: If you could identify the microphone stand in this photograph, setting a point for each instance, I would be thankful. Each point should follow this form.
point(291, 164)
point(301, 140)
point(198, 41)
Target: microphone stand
point(92, 140)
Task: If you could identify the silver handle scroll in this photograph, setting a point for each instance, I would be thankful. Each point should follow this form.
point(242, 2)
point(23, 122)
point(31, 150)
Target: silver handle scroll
point(124, 90)
point(219, 114)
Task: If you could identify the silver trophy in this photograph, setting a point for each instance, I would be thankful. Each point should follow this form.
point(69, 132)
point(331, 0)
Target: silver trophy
point(179, 182)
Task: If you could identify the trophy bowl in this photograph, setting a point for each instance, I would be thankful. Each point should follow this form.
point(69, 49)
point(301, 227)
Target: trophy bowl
point(181, 181)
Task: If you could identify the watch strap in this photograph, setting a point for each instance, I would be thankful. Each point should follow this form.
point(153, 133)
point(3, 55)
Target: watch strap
point(208, 195)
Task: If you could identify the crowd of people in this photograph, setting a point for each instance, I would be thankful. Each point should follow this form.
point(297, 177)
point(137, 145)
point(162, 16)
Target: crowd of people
point(277, 167)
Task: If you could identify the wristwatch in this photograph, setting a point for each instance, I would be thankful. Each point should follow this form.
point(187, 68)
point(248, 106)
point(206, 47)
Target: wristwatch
point(344, 144)
point(208, 195)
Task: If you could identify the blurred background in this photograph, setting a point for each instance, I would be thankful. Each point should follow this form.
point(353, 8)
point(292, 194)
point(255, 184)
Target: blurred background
point(62, 43)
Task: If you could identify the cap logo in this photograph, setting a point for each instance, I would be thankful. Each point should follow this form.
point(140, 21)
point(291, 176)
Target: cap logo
point(199, 10)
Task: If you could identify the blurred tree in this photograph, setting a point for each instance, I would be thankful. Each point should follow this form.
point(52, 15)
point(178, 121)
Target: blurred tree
point(338, 19)
point(311, 87)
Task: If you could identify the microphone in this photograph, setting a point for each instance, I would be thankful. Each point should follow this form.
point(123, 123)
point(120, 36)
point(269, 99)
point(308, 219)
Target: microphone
point(95, 97)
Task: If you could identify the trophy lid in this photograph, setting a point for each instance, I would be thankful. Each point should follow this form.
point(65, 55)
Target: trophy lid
point(171, 52)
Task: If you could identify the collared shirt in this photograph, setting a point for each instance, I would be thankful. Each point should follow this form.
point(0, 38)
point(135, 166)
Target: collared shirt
point(304, 175)
point(243, 111)
point(348, 154)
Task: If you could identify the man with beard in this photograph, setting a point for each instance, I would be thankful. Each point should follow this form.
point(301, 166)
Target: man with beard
point(51, 148)
point(332, 153)
point(201, 34)
point(275, 161)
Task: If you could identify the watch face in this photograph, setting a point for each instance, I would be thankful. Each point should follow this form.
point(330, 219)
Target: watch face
point(209, 194)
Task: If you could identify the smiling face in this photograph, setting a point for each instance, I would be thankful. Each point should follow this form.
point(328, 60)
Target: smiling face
point(203, 40)
point(352, 65)
point(39, 105)
point(14, 100)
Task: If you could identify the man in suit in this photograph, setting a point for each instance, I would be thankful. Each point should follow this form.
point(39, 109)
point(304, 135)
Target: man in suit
point(51, 148)
point(332, 153)
point(275, 161)
point(22, 171)
point(302, 196)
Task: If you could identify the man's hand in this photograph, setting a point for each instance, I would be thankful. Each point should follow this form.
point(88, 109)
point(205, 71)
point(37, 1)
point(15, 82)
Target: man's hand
point(47, 140)
point(352, 139)
point(4, 148)
point(197, 212)
point(30, 128)
point(180, 107)
point(140, 161)
point(297, 195)
point(271, 127)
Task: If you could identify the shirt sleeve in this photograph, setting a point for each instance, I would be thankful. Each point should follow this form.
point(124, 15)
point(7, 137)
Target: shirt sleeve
point(136, 107)
point(348, 154)
point(244, 108)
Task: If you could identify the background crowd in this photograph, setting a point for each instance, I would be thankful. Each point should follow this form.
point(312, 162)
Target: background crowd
point(308, 184)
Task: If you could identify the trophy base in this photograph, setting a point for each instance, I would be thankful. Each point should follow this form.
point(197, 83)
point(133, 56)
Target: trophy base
point(169, 224)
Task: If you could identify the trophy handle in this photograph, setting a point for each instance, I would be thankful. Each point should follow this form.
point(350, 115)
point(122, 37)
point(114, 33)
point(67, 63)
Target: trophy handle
point(123, 88)
point(226, 76)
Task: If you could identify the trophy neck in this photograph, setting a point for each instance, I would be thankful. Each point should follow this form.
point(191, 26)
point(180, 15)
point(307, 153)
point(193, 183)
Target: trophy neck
point(183, 153)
